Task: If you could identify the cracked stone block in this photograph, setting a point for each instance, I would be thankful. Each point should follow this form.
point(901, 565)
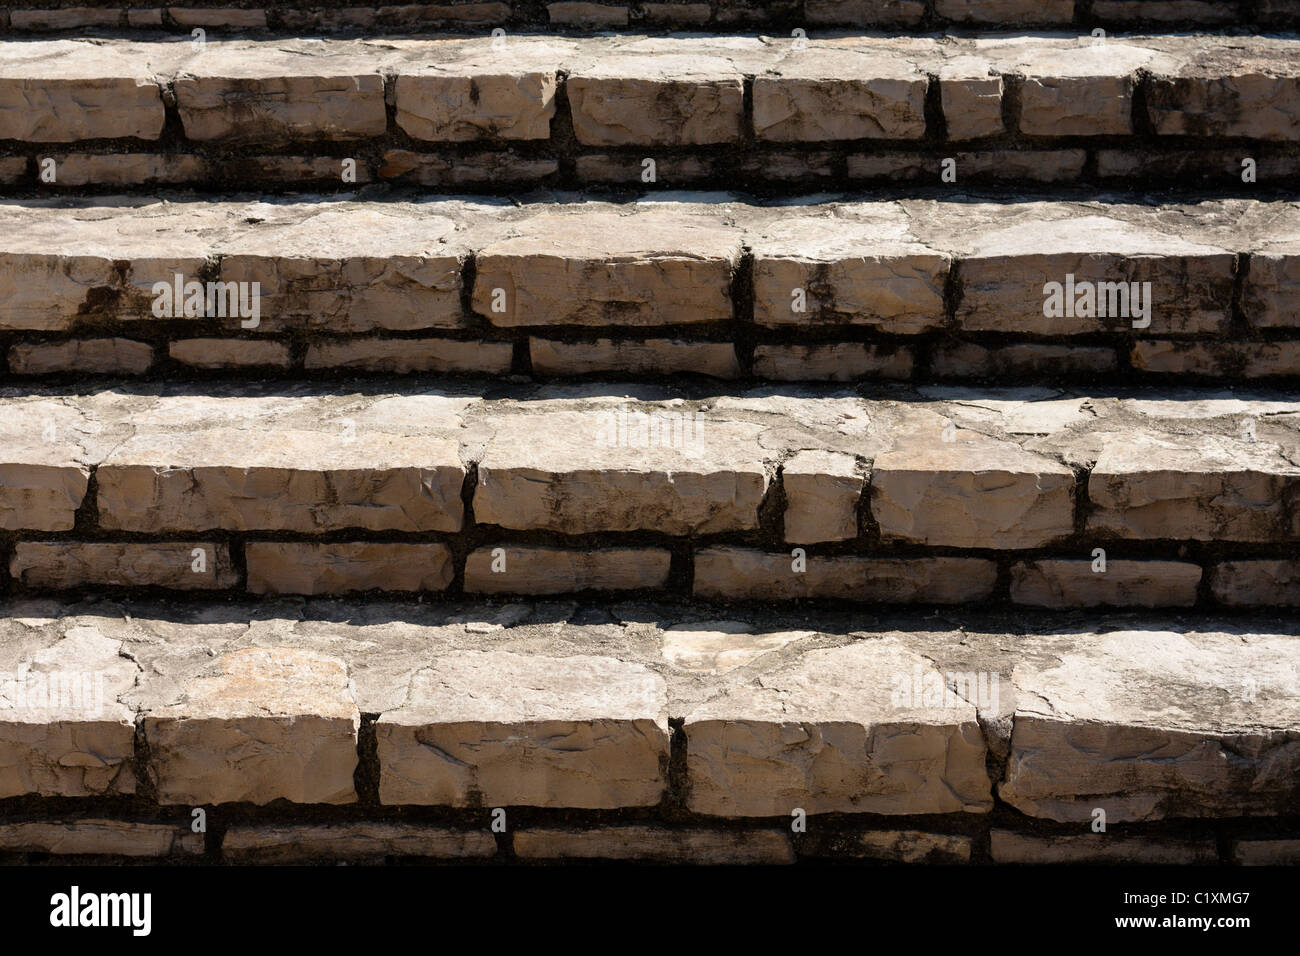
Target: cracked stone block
point(671, 99)
point(1064, 583)
point(971, 492)
point(352, 842)
point(645, 357)
point(64, 731)
point(257, 725)
point(696, 845)
point(830, 733)
point(822, 491)
point(96, 837)
point(1200, 488)
point(620, 468)
point(495, 728)
point(67, 90)
point(42, 483)
point(1256, 582)
point(840, 95)
point(476, 100)
point(1151, 724)
point(837, 362)
point(530, 570)
point(649, 267)
point(1247, 100)
point(1010, 847)
point(301, 567)
point(739, 574)
point(163, 564)
point(893, 846)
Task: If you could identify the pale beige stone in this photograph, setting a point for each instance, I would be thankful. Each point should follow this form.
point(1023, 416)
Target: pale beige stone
point(718, 647)
point(840, 95)
point(822, 491)
point(301, 567)
point(257, 725)
point(229, 353)
point(495, 728)
point(1247, 360)
point(411, 355)
point(1067, 583)
point(1246, 583)
point(533, 570)
point(971, 100)
point(477, 99)
point(105, 356)
point(164, 564)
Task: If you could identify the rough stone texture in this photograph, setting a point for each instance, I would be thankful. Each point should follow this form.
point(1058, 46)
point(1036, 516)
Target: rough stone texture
point(412, 355)
point(352, 842)
point(103, 356)
point(502, 729)
point(236, 93)
point(1204, 488)
point(68, 90)
point(988, 165)
point(862, 269)
point(1266, 852)
point(529, 570)
point(1257, 582)
point(295, 567)
point(1101, 726)
point(44, 472)
point(741, 574)
point(967, 359)
point(1066, 583)
point(824, 735)
point(228, 17)
point(838, 362)
point(1271, 297)
point(493, 168)
point(1010, 847)
point(163, 564)
point(656, 844)
point(586, 14)
point(485, 96)
point(644, 357)
point(64, 731)
point(93, 837)
point(619, 468)
point(229, 353)
point(1217, 359)
point(822, 491)
point(970, 492)
point(643, 268)
point(128, 169)
point(840, 96)
point(893, 846)
point(674, 99)
point(1251, 91)
point(971, 100)
point(71, 18)
point(257, 725)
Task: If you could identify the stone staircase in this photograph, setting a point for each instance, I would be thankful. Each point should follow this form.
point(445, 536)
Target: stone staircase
point(591, 442)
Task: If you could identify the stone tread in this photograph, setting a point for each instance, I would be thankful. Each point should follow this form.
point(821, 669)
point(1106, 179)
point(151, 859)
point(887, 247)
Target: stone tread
point(524, 705)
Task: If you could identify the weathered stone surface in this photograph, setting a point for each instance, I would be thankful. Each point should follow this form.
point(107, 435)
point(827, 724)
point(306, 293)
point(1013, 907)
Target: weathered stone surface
point(894, 846)
point(1271, 297)
point(530, 570)
point(496, 728)
point(967, 359)
point(672, 99)
point(840, 95)
point(221, 17)
point(621, 468)
point(1151, 724)
point(985, 165)
point(1266, 852)
point(742, 574)
point(352, 842)
point(971, 100)
point(68, 90)
point(970, 492)
point(70, 18)
point(481, 96)
point(44, 474)
point(570, 13)
point(494, 167)
point(238, 93)
point(865, 13)
point(838, 362)
point(257, 725)
point(1252, 92)
point(164, 564)
point(1016, 12)
point(93, 837)
point(1256, 582)
point(826, 735)
point(1198, 487)
point(649, 267)
point(1010, 847)
point(1066, 583)
point(822, 492)
point(229, 353)
point(105, 356)
point(658, 844)
point(861, 269)
point(128, 169)
point(64, 731)
point(643, 357)
point(1217, 359)
point(719, 647)
point(299, 567)
point(411, 355)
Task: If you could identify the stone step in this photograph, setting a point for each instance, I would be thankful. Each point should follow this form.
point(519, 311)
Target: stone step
point(484, 113)
point(37, 16)
point(932, 496)
point(677, 718)
point(827, 288)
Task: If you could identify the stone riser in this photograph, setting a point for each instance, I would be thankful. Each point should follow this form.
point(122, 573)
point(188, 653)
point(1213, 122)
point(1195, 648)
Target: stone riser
point(315, 15)
point(831, 290)
point(658, 711)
